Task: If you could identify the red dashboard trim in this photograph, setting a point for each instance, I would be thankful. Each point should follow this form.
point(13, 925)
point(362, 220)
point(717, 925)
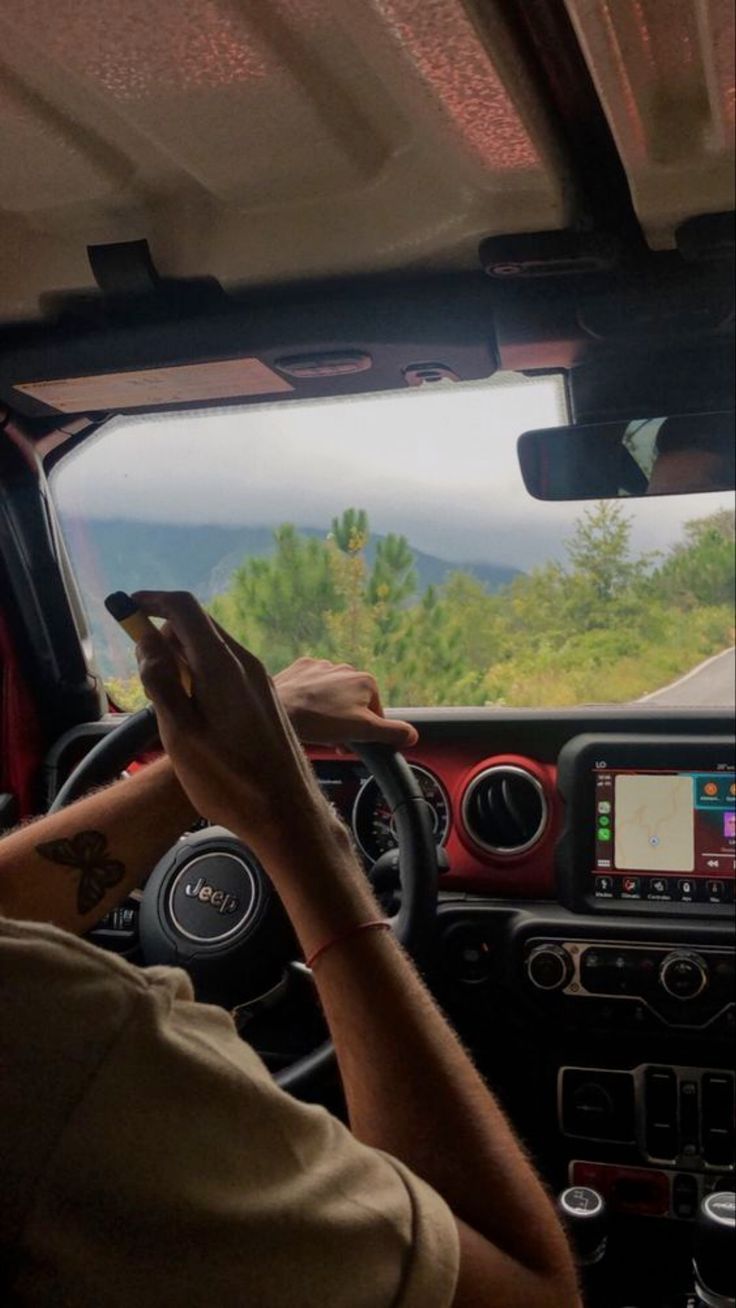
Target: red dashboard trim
point(528, 876)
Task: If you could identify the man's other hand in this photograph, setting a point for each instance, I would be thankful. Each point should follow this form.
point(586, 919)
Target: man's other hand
point(332, 703)
point(230, 742)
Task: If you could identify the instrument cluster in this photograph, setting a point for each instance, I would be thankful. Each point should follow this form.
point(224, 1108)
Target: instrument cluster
point(358, 800)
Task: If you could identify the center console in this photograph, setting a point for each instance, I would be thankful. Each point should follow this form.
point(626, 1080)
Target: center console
point(617, 1002)
point(649, 835)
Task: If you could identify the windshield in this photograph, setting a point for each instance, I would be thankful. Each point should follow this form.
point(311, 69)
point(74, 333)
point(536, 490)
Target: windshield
point(393, 531)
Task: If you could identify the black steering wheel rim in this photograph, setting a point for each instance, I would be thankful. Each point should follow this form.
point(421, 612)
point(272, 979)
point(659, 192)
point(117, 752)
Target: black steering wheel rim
point(415, 922)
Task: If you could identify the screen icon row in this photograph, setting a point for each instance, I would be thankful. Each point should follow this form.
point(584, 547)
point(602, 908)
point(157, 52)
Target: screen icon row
point(684, 890)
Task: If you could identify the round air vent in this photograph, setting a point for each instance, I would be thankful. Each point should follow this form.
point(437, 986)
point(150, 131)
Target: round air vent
point(505, 810)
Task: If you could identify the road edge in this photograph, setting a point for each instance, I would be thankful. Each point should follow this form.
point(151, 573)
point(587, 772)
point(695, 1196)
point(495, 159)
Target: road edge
point(680, 681)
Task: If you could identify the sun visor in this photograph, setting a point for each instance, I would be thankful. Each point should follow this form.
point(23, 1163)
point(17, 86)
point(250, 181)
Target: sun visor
point(144, 388)
point(690, 379)
point(339, 343)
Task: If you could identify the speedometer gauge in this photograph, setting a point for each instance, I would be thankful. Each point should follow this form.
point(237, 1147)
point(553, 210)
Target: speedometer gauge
point(373, 824)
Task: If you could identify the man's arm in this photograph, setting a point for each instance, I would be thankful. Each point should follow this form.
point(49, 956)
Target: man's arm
point(410, 1087)
point(74, 866)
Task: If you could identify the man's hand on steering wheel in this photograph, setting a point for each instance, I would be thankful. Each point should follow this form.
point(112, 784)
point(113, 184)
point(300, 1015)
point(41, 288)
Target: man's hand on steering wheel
point(331, 703)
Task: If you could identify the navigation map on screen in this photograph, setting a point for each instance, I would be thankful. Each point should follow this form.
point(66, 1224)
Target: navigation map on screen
point(665, 835)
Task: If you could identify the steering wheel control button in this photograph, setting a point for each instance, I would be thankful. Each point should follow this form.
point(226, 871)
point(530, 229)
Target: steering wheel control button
point(683, 976)
point(549, 967)
point(213, 897)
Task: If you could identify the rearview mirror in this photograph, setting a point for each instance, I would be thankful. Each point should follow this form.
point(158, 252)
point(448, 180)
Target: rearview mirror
point(676, 455)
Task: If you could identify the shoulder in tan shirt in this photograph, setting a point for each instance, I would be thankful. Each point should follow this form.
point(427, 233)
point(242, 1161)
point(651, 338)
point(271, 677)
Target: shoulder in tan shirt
point(148, 1159)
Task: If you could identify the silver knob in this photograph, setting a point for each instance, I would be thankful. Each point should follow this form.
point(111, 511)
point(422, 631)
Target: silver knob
point(549, 967)
point(683, 976)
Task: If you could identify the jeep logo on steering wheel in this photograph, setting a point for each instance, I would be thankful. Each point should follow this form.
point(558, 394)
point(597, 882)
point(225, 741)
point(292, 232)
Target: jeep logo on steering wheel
point(214, 896)
point(222, 900)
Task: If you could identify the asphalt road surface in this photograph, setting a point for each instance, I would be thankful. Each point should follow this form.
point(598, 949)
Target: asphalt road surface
point(711, 685)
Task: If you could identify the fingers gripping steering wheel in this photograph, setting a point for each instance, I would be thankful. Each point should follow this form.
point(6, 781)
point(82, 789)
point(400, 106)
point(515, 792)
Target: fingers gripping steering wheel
point(208, 905)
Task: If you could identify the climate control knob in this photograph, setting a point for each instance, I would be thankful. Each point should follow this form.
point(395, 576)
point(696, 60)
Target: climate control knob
point(683, 976)
point(549, 967)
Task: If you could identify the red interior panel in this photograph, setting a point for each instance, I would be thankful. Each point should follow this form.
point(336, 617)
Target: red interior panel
point(21, 742)
point(530, 876)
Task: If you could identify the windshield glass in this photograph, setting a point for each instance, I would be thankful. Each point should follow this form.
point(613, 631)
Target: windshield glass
point(393, 531)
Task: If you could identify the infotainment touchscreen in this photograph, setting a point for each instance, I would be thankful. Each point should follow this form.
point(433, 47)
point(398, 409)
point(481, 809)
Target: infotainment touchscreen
point(665, 835)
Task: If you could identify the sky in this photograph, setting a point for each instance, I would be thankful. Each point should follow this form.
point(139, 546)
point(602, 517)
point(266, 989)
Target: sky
point(438, 464)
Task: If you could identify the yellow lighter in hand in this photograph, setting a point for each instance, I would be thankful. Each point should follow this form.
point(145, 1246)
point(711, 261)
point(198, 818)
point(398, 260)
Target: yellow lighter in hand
point(135, 623)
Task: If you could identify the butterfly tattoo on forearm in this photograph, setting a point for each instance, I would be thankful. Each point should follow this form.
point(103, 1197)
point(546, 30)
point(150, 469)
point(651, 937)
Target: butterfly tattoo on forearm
point(86, 853)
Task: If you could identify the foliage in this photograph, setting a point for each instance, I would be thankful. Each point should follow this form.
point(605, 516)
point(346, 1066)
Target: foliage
point(126, 693)
point(700, 570)
point(603, 626)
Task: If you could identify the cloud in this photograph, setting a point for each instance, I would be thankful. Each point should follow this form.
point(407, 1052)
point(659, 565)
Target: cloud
point(439, 465)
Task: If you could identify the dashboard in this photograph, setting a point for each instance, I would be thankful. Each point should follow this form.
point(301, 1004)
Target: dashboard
point(632, 822)
point(597, 809)
point(495, 816)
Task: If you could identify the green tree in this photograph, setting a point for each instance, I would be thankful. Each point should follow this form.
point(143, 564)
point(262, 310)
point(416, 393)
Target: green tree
point(351, 623)
point(276, 604)
point(350, 531)
point(427, 664)
point(393, 578)
point(607, 625)
point(700, 569)
point(600, 551)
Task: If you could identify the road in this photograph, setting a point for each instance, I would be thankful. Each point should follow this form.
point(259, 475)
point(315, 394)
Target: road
point(711, 685)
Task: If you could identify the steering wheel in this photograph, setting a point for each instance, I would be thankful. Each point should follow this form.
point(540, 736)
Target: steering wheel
point(208, 905)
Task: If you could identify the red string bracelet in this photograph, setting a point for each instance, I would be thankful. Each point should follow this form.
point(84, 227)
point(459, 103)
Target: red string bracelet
point(378, 924)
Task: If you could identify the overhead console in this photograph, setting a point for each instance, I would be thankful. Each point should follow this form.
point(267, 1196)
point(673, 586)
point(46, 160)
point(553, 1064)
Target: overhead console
point(649, 826)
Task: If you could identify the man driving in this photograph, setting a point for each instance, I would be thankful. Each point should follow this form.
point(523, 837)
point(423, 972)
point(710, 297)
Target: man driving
point(148, 1157)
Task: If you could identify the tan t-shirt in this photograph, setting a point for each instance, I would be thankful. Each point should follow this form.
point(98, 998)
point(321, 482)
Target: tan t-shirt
point(148, 1159)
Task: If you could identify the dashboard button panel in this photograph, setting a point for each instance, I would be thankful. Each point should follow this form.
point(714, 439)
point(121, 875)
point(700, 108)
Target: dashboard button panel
point(644, 1106)
point(680, 987)
point(718, 1119)
point(660, 1113)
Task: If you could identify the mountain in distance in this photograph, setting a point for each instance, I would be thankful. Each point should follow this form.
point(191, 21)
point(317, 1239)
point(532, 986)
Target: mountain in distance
point(121, 554)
